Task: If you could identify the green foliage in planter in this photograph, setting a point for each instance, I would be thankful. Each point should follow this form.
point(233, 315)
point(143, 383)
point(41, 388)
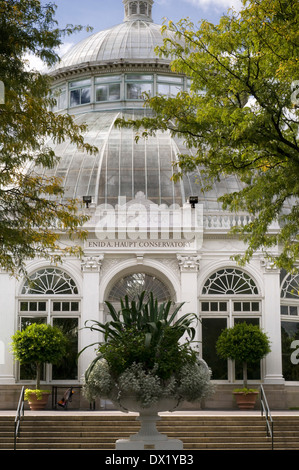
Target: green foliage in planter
point(39, 393)
point(167, 355)
point(243, 342)
point(146, 332)
point(143, 354)
point(39, 344)
point(245, 391)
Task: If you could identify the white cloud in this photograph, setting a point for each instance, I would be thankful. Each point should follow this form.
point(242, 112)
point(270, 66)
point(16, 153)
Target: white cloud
point(35, 63)
point(222, 5)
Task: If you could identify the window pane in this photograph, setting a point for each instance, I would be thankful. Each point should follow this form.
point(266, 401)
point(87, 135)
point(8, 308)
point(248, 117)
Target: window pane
point(168, 78)
point(42, 306)
point(133, 76)
point(80, 83)
point(75, 97)
point(28, 371)
point(74, 306)
point(85, 95)
point(114, 92)
point(205, 306)
point(253, 370)
point(24, 306)
point(211, 329)
point(56, 306)
point(174, 90)
point(293, 310)
point(108, 78)
point(289, 334)
point(67, 369)
point(33, 306)
point(135, 90)
point(284, 310)
point(102, 93)
point(163, 89)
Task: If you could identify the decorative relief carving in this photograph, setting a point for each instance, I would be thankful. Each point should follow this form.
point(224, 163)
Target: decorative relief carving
point(189, 263)
point(92, 263)
point(172, 264)
point(108, 263)
point(269, 265)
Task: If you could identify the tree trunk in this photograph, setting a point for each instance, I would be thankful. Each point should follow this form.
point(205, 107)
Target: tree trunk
point(38, 368)
point(245, 374)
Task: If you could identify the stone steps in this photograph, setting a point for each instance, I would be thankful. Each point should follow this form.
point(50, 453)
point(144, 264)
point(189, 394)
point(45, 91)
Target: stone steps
point(100, 432)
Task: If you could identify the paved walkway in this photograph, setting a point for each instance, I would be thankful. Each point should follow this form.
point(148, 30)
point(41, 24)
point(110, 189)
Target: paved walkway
point(178, 413)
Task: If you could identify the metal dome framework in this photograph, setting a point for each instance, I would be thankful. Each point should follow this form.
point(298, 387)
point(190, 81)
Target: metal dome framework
point(101, 79)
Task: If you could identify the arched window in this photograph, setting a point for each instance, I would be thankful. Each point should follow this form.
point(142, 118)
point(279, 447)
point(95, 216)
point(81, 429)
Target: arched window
point(134, 284)
point(228, 296)
point(50, 281)
point(143, 8)
point(230, 281)
point(290, 286)
point(289, 309)
point(133, 8)
point(50, 295)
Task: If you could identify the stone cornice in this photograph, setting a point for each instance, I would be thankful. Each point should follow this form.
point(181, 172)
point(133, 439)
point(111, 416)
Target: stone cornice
point(119, 66)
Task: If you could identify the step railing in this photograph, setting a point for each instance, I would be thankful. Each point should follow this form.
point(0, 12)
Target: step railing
point(265, 410)
point(19, 414)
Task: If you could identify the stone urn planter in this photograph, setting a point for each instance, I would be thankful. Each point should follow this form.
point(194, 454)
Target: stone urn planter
point(142, 366)
point(148, 437)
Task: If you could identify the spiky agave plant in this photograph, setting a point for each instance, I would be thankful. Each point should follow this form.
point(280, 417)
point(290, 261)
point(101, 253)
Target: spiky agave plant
point(144, 331)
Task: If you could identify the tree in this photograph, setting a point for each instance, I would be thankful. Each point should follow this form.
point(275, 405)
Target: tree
point(32, 208)
point(241, 115)
point(244, 342)
point(38, 344)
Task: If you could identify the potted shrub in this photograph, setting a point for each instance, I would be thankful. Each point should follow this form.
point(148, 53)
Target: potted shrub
point(146, 364)
point(247, 343)
point(38, 344)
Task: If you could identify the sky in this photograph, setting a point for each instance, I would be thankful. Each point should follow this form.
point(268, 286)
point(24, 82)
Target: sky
point(102, 14)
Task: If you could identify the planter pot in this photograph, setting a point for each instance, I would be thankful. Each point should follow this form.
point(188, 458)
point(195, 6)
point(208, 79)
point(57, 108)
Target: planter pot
point(246, 401)
point(38, 403)
point(148, 436)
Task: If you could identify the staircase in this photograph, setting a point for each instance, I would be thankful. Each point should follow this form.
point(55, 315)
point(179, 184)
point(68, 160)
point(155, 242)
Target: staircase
point(99, 432)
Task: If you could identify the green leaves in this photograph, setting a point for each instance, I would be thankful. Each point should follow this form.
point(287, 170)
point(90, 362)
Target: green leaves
point(241, 116)
point(38, 344)
point(147, 332)
point(32, 207)
point(244, 342)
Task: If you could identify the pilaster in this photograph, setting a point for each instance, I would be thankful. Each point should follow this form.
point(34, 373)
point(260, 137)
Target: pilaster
point(189, 266)
point(272, 323)
point(91, 268)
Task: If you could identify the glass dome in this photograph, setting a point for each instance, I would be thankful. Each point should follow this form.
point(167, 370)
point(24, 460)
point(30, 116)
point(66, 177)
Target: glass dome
point(133, 40)
point(122, 167)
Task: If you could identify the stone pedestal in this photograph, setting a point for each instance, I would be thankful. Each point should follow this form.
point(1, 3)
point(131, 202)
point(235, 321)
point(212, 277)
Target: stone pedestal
point(148, 436)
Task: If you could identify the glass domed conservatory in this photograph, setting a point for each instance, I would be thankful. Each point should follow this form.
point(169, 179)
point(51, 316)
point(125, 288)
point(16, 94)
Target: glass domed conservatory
point(144, 232)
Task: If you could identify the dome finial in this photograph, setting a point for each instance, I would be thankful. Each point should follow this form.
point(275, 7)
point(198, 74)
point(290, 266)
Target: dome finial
point(138, 10)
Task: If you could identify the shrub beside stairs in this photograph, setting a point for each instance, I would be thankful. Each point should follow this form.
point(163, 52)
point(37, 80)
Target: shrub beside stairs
point(99, 432)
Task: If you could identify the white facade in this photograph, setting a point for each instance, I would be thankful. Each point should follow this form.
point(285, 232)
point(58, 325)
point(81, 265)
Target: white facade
point(143, 233)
